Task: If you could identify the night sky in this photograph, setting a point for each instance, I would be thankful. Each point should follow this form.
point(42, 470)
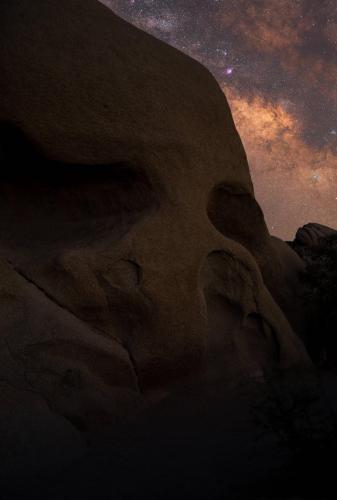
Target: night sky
point(276, 62)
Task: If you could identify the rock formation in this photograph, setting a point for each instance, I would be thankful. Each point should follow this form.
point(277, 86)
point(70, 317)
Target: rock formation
point(309, 237)
point(131, 242)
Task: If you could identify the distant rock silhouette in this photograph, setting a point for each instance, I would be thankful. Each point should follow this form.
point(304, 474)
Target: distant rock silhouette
point(131, 244)
point(309, 237)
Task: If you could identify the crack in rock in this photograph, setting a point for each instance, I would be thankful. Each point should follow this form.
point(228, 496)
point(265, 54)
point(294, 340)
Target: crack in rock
point(51, 298)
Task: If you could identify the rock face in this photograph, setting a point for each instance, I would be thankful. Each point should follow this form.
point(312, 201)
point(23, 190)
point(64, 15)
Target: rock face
point(131, 242)
point(309, 237)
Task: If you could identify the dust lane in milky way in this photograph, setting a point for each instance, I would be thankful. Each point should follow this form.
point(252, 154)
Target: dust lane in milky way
point(276, 62)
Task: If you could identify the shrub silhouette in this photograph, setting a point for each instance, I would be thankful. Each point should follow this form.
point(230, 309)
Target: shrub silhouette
point(320, 298)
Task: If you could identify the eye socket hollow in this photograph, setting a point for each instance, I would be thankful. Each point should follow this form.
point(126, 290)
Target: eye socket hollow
point(236, 214)
point(45, 202)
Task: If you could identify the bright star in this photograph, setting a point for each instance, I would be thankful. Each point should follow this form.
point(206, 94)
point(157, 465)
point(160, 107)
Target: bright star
point(315, 177)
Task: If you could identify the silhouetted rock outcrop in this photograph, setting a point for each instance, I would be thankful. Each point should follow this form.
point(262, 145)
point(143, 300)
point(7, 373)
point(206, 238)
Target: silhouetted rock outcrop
point(309, 237)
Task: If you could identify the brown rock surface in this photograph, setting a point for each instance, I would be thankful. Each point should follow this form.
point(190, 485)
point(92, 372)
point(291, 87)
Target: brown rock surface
point(129, 228)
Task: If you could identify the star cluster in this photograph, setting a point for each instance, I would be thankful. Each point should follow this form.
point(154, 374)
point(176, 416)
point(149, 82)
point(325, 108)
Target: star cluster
point(276, 62)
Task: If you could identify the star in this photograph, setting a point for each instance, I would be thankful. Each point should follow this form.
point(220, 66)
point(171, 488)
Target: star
point(316, 177)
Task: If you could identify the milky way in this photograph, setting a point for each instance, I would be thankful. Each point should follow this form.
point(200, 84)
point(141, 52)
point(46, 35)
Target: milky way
point(276, 62)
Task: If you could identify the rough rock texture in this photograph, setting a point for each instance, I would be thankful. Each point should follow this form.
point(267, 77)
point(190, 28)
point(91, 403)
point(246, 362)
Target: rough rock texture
point(309, 237)
point(130, 235)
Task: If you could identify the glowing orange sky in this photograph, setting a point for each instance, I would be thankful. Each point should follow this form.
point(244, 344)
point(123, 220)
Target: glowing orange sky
point(290, 177)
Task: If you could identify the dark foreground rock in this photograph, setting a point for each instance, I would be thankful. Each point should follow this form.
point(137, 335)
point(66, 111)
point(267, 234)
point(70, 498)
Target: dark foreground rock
point(309, 237)
point(206, 442)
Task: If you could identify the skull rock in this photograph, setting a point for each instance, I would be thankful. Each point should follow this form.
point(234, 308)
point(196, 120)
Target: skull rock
point(129, 228)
